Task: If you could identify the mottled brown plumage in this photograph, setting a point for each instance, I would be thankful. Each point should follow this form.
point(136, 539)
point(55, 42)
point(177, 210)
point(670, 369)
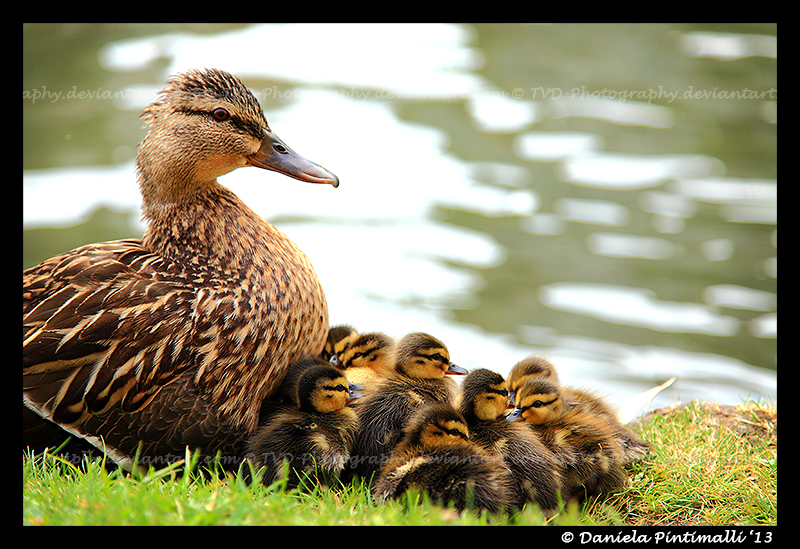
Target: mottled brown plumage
point(175, 339)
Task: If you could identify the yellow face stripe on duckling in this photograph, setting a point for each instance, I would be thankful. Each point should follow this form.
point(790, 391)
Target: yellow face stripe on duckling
point(330, 394)
point(339, 339)
point(491, 403)
point(539, 408)
point(367, 349)
point(445, 432)
point(427, 363)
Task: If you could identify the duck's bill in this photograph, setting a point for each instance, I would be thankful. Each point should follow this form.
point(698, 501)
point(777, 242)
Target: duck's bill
point(515, 415)
point(353, 395)
point(455, 370)
point(275, 155)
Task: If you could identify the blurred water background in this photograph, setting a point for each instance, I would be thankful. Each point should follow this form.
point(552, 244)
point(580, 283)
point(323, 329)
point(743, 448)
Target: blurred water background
point(604, 195)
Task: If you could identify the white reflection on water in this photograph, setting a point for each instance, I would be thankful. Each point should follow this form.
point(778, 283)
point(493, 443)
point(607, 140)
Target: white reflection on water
point(727, 46)
point(385, 264)
point(636, 307)
point(633, 171)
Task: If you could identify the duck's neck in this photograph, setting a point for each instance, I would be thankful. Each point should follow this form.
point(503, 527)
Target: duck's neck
point(213, 229)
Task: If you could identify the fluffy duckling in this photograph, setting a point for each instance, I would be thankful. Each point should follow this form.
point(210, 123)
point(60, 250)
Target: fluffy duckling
point(436, 457)
point(369, 359)
point(318, 431)
point(287, 390)
point(147, 346)
point(422, 364)
point(339, 338)
point(532, 367)
point(535, 471)
point(584, 442)
point(537, 367)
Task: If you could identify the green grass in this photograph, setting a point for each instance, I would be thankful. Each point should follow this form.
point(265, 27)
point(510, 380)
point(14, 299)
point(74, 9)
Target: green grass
point(700, 471)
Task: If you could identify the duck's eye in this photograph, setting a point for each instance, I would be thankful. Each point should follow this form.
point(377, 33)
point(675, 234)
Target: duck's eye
point(538, 404)
point(220, 114)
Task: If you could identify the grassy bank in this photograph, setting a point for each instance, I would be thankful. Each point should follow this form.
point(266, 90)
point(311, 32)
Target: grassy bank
point(709, 464)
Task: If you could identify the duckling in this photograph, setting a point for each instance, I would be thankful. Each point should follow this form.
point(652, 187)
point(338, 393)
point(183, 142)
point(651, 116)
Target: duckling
point(419, 378)
point(287, 390)
point(532, 367)
point(339, 338)
point(536, 473)
point(584, 442)
point(537, 367)
point(436, 457)
point(317, 432)
point(633, 449)
point(369, 359)
point(175, 339)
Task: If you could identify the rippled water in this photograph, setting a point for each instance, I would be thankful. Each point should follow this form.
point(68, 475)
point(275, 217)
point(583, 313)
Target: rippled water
point(605, 195)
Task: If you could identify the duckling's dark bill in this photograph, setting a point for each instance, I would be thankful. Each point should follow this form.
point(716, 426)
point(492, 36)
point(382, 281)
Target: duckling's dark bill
point(275, 155)
point(456, 370)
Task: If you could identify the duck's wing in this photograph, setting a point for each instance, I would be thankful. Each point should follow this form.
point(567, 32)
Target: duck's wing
point(100, 327)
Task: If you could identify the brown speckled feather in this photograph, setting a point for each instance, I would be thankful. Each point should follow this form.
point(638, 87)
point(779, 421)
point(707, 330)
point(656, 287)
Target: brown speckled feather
point(175, 339)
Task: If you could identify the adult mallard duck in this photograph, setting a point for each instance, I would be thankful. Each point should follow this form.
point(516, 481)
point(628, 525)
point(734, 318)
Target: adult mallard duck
point(175, 339)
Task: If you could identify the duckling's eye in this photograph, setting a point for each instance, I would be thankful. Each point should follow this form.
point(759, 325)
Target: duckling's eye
point(220, 114)
point(439, 357)
point(538, 404)
point(456, 433)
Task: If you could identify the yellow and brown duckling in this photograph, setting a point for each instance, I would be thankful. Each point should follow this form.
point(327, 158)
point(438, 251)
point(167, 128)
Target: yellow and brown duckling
point(314, 437)
point(534, 469)
point(532, 367)
point(340, 337)
point(369, 359)
point(583, 441)
point(436, 457)
point(174, 339)
point(420, 377)
point(537, 367)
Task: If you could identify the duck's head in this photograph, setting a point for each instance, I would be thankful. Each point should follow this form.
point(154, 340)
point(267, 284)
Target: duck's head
point(340, 337)
point(204, 125)
point(373, 350)
point(324, 389)
point(436, 425)
point(538, 402)
point(484, 395)
point(423, 356)
point(532, 367)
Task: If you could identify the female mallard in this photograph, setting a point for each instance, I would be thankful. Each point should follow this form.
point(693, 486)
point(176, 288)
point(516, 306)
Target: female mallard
point(174, 340)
